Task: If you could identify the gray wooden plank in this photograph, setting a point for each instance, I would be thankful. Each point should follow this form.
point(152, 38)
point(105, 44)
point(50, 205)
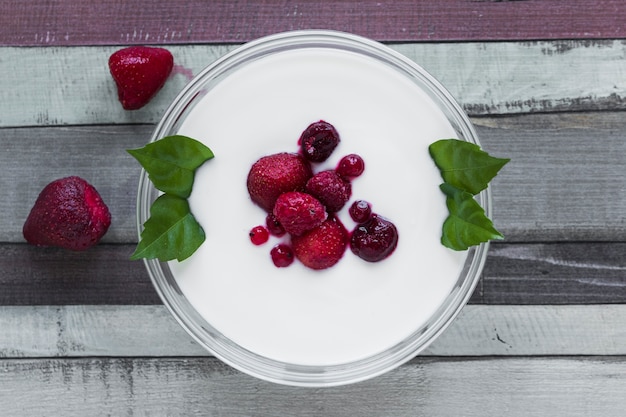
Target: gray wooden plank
point(575, 193)
point(202, 386)
point(563, 273)
point(52, 276)
point(151, 331)
point(486, 78)
point(525, 274)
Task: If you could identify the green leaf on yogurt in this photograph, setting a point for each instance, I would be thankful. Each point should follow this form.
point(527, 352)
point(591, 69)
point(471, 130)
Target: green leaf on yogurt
point(464, 165)
point(171, 162)
point(171, 232)
point(466, 225)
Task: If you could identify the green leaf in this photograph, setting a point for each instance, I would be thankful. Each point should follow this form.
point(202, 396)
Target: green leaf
point(171, 162)
point(464, 165)
point(171, 232)
point(467, 225)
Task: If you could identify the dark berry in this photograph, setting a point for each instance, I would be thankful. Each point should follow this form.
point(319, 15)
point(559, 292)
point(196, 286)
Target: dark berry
point(282, 255)
point(274, 226)
point(330, 189)
point(259, 235)
point(351, 166)
point(318, 141)
point(375, 239)
point(360, 211)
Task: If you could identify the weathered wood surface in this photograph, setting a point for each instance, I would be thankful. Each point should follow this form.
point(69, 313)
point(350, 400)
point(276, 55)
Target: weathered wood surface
point(471, 387)
point(561, 183)
point(85, 333)
point(31, 22)
point(151, 331)
point(75, 87)
point(524, 274)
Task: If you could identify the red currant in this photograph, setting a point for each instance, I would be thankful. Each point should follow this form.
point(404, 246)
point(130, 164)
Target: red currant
point(259, 235)
point(350, 166)
point(282, 255)
point(274, 226)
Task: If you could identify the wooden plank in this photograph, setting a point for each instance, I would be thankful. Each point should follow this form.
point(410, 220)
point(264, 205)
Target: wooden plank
point(151, 331)
point(30, 23)
point(53, 276)
point(524, 274)
point(532, 196)
point(434, 386)
point(75, 87)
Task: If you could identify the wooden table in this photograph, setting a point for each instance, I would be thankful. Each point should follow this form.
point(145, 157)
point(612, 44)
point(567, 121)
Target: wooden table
point(84, 334)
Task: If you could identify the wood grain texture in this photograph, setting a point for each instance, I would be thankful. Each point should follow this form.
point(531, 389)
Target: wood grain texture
point(427, 386)
point(31, 22)
point(75, 86)
point(151, 331)
point(524, 274)
point(532, 195)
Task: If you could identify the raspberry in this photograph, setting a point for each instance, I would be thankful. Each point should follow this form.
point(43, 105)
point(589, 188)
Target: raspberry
point(318, 141)
point(298, 212)
point(330, 189)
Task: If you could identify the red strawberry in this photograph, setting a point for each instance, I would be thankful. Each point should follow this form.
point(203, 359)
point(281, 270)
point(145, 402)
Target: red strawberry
point(330, 189)
point(139, 73)
point(298, 212)
point(323, 246)
point(68, 213)
point(275, 174)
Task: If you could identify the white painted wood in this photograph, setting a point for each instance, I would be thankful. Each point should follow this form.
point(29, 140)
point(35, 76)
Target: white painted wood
point(480, 330)
point(75, 87)
point(468, 387)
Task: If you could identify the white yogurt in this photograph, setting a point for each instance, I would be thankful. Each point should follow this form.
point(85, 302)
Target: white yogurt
point(355, 309)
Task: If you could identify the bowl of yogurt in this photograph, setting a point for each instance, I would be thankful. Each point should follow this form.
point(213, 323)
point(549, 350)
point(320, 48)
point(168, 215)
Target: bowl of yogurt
point(357, 319)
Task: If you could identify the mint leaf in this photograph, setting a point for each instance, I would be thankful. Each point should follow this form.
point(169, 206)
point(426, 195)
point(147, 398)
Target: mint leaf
point(467, 225)
point(171, 232)
point(464, 165)
point(171, 162)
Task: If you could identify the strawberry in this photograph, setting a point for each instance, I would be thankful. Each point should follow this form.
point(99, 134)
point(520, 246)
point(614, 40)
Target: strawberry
point(298, 212)
point(68, 213)
point(330, 189)
point(321, 247)
point(139, 73)
point(275, 174)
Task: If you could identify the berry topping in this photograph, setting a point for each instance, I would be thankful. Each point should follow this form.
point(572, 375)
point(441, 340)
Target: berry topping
point(274, 226)
point(318, 141)
point(323, 246)
point(350, 166)
point(259, 235)
point(375, 239)
point(139, 73)
point(330, 189)
point(68, 213)
point(282, 255)
point(360, 211)
point(299, 212)
point(275, 174)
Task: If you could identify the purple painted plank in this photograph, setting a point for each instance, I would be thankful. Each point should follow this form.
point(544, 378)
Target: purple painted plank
point(99, 22)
